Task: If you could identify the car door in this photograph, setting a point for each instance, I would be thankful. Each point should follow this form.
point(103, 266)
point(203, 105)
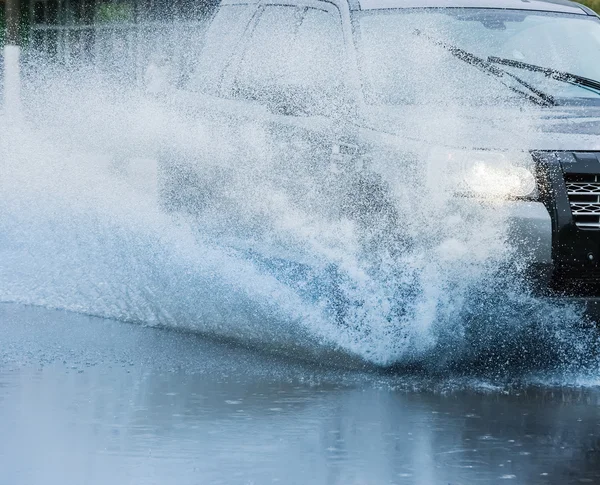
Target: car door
point(274, 72)
point(293, 61)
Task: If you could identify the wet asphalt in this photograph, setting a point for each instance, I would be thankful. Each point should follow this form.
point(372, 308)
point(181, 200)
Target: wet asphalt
point(85, 400)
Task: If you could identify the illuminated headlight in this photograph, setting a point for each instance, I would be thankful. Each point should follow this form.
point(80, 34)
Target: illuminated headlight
point(488, 174)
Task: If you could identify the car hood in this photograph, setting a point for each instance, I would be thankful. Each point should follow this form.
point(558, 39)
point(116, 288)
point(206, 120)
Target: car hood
point(574, 128)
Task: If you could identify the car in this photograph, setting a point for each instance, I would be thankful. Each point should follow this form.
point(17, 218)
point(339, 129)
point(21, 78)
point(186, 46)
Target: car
point(496, 102)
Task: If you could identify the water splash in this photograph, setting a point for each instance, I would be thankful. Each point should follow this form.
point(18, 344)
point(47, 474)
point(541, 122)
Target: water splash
point(410, 278)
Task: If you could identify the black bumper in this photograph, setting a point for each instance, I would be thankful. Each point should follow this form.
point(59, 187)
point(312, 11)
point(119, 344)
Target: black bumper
point(575, 246)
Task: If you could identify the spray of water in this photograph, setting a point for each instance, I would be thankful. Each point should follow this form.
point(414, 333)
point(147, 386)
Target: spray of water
point(278, 250)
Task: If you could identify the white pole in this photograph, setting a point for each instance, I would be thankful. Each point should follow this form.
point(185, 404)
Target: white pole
point(12, 80)
point(12, 65)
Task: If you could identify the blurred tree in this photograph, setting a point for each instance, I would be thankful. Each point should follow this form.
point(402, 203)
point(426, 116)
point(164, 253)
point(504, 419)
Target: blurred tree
point(2, 24)
point(108, 12)
point(595, 4)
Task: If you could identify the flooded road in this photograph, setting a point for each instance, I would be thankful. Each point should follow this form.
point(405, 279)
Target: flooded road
point(87, 400)
point(259, 267)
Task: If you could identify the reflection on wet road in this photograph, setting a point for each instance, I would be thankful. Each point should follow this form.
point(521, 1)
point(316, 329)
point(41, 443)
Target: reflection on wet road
point(85, 400)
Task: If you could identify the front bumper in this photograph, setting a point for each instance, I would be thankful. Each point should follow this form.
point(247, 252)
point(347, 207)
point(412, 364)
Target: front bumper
point(533, 238)
point(575, 249)
point(530, 232)
point(588, 304)
point(563, 257)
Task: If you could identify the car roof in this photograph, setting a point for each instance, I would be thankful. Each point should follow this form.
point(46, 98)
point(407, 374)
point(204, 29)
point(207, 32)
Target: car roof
point(538, 5)
point(556, 6)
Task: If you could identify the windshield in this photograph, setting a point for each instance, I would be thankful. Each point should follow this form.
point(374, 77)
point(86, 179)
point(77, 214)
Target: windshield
point(399, 66)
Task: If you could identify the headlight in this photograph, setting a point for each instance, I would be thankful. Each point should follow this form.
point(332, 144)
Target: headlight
point(486, 174)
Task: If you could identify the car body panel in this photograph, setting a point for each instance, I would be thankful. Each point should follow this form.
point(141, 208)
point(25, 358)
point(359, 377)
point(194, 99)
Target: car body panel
point(576, 129)
point(534, 5)
point(556, 6)
point(533, 225)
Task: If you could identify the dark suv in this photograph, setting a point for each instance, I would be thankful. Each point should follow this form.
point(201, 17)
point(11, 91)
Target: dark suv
point(495, 101)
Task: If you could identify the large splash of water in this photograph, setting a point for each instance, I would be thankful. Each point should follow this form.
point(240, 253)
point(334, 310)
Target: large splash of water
point(267, 260)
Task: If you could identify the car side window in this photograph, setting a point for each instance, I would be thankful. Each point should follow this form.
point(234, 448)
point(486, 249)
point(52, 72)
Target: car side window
point(318, 49)
point(222, 38)
point(266, 57)
point(293, 56)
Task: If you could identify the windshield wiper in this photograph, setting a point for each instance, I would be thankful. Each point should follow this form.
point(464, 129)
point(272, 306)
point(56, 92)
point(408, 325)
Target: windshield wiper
point(563, 76)
point(489, 68)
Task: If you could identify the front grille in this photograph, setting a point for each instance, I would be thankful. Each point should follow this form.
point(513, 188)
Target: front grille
point(584, 198)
